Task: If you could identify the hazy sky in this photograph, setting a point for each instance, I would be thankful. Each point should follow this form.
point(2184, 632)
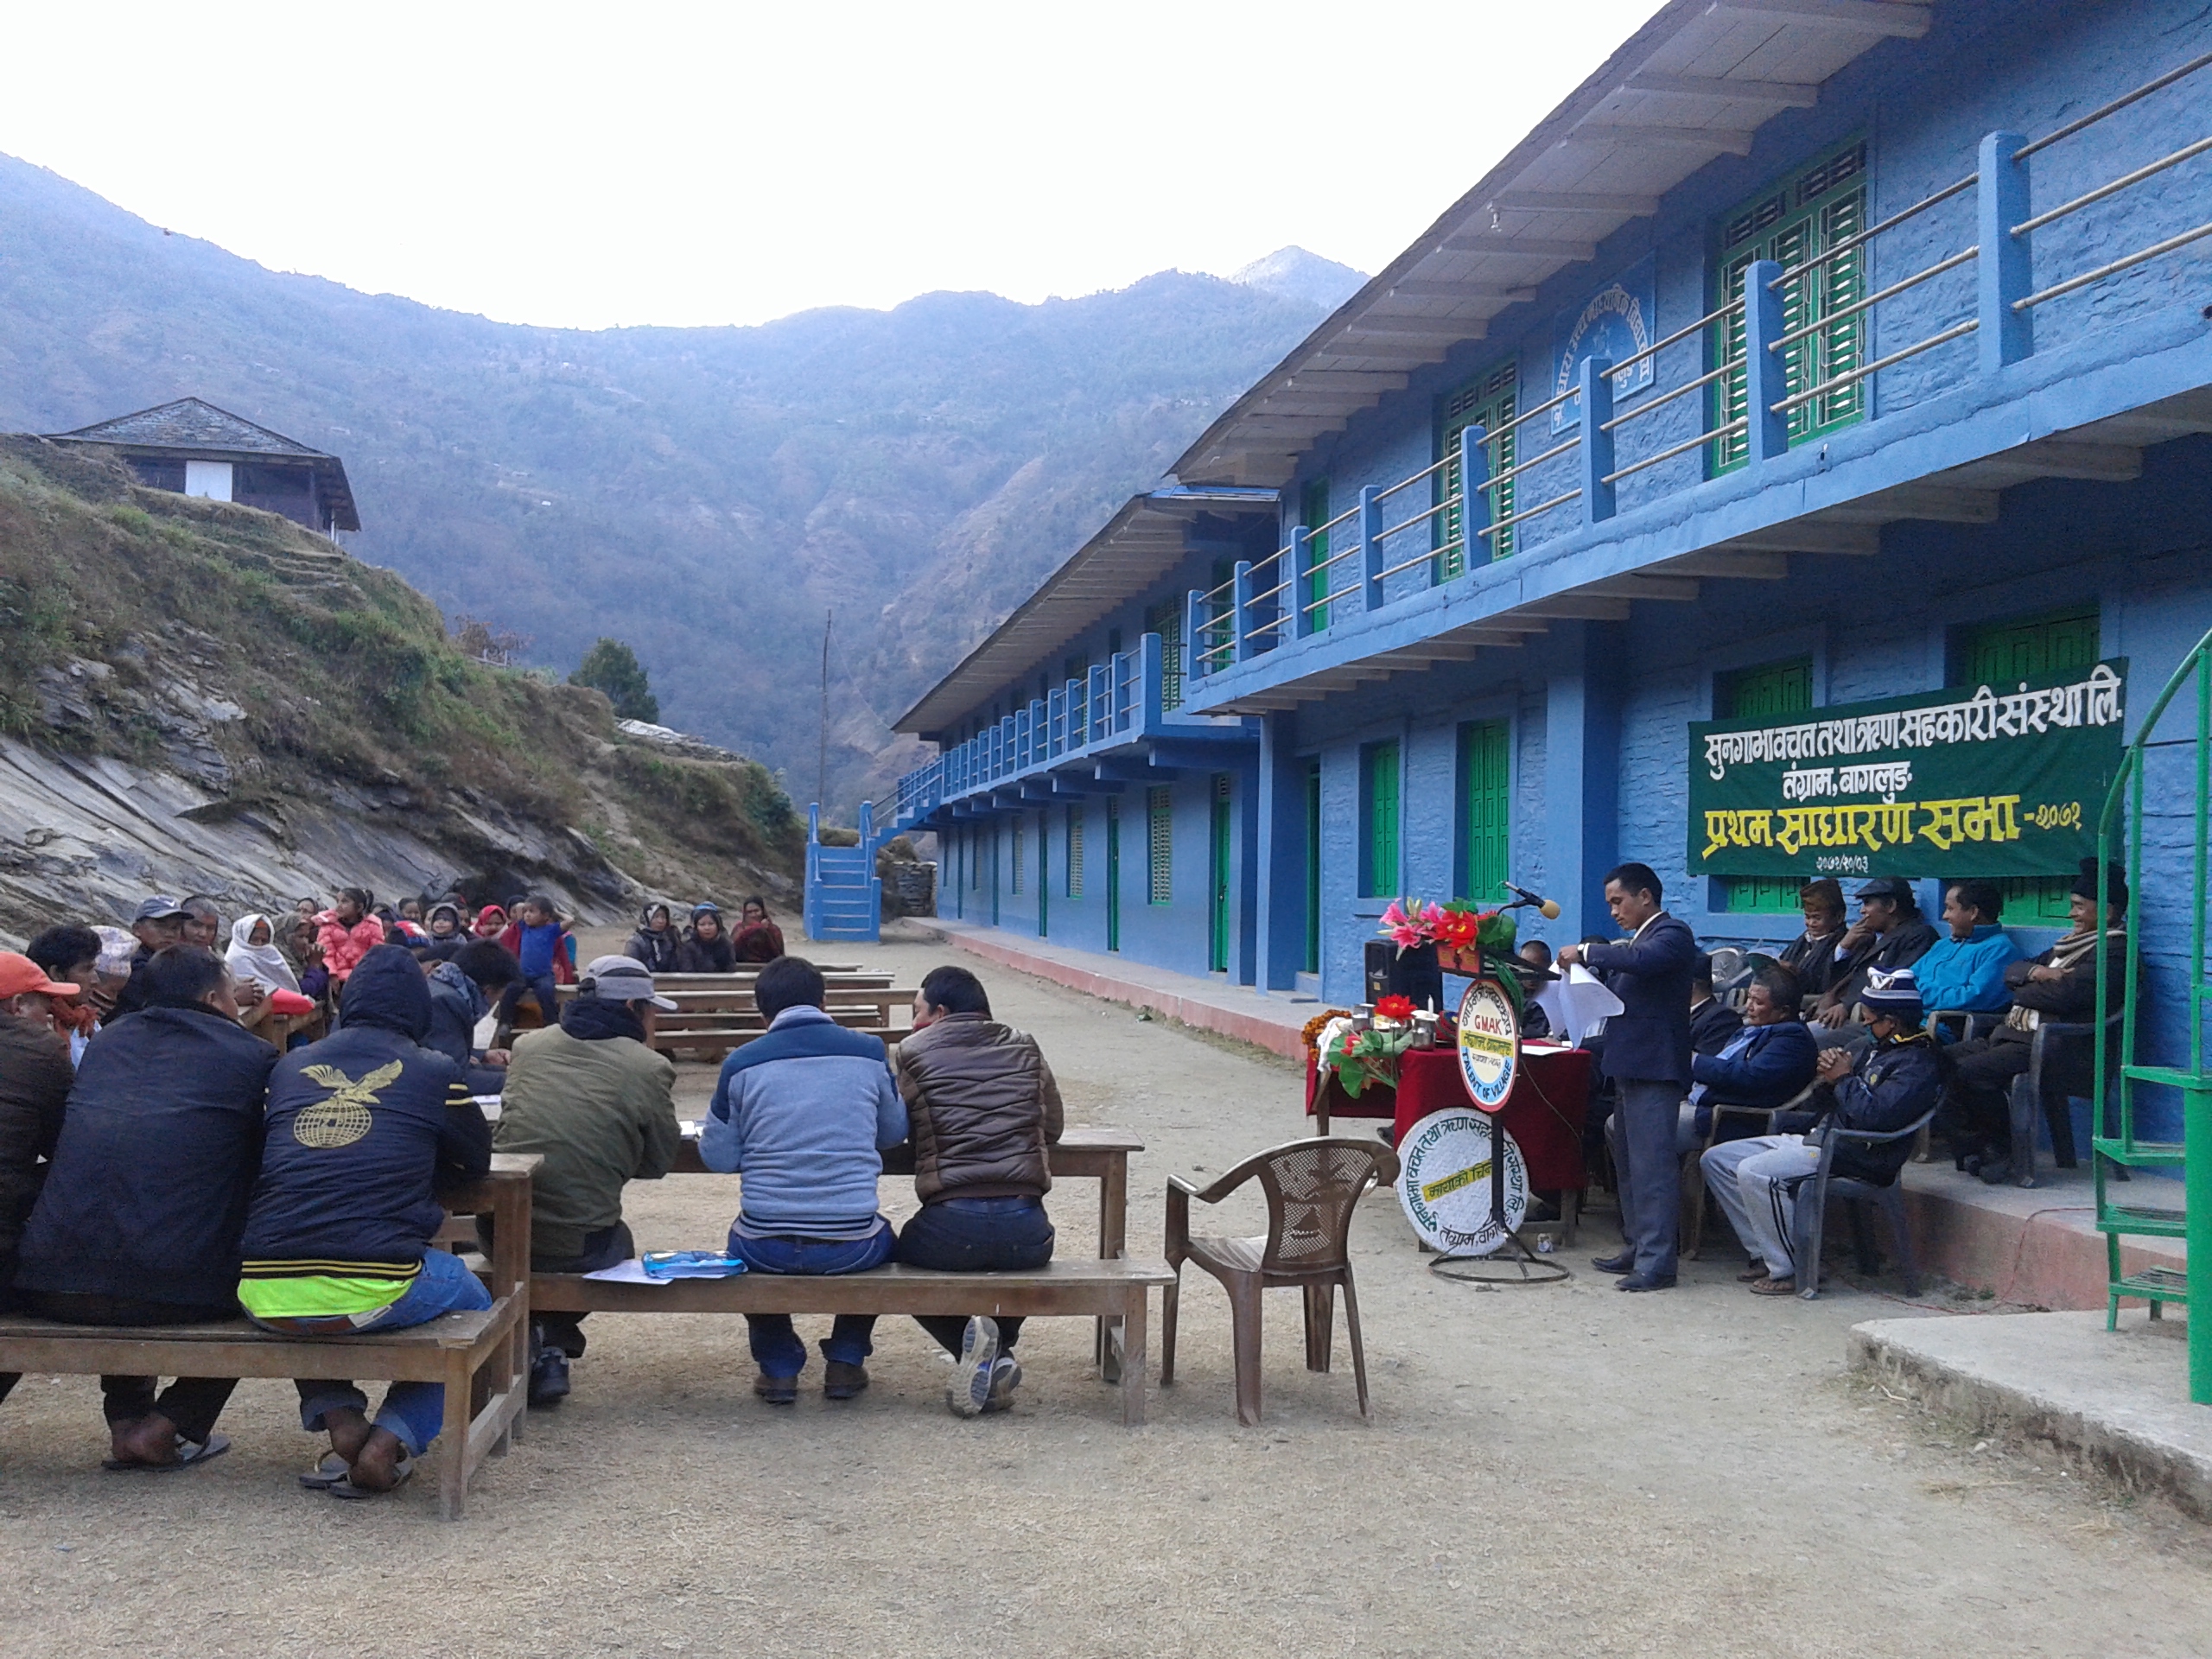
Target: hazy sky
point(691, 163)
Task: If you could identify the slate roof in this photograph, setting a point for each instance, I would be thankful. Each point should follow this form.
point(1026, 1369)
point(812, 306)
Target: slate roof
point(193, 428)
point(189, 423)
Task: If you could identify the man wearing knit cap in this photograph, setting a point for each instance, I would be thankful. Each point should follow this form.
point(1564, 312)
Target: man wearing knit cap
point(1887, 1086)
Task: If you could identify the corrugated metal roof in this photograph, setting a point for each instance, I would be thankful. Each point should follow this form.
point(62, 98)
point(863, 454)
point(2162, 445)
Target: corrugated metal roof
point(1692, 83)
point(1140, 544)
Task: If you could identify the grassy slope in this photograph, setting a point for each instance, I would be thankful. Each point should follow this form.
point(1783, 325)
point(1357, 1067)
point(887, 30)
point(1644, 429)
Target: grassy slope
point(345, 674)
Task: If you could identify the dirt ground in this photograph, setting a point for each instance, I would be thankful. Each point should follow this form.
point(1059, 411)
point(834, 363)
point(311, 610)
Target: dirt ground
point(1554, 1470)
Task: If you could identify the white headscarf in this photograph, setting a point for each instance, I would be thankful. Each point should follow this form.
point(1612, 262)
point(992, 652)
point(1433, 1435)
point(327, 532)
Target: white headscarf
point(264, 963)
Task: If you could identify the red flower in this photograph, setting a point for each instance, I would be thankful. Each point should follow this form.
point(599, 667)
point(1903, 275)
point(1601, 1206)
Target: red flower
point(1394, 1008)
point(1457, 928)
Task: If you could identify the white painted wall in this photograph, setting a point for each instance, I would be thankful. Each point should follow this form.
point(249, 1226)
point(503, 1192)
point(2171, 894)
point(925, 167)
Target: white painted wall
point(209, 478)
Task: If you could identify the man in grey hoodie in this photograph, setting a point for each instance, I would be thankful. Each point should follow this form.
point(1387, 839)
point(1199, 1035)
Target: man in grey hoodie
point(805, 1113)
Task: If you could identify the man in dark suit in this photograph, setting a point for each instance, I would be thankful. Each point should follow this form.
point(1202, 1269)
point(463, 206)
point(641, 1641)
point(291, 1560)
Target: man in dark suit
point(1648, 1056)
point(1713, 1022)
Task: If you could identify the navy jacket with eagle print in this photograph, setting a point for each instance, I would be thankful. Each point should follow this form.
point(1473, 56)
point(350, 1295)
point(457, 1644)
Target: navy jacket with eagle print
point(362, 1129)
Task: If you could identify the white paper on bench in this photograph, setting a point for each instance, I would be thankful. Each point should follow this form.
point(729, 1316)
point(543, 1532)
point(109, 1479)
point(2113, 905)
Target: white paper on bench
point(632, 1272)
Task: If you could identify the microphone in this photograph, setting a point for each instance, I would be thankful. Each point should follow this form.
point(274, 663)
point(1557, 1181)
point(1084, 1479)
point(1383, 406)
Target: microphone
point(1547, 908)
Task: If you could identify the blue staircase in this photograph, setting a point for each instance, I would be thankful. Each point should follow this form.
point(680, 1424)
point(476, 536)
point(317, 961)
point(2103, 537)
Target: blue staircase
point(844, 898)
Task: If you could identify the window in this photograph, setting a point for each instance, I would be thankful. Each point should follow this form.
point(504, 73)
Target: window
point(1783, 688)
point(1378, 788)
point(1166, 621)
point(1014, 828)
point(1793, 223)
point(1487, 400)
point(1073, 862)
point(1999, 655)
point(1313, 513)
point(1159, 828)
point(1484, 761)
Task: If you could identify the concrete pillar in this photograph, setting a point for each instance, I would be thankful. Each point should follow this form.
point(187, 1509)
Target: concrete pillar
point(1278, 865)
point(1582, 738)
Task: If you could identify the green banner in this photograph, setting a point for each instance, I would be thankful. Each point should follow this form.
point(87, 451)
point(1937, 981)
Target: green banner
point(1970, 781)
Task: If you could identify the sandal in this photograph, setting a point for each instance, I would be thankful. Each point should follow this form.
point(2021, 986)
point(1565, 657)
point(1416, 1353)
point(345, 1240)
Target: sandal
point(326, 1473)
point(189, 1455)
point(401, 1472)
point(1775, 1287)
point(1753, 1274)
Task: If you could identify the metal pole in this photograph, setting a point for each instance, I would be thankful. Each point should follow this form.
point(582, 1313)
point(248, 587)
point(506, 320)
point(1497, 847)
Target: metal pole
point(822, 754)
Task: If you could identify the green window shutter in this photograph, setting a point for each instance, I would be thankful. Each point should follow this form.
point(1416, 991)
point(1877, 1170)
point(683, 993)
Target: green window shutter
point(1770, 689)
point(1166, 621)
point(1487, 400)
point(1789, 223)
point(1313, 513)
point(1484, 754)
point(1379, 872)
point(1016, 828)
point(1074, 859)
point(1999, 655)
point(1159, 827)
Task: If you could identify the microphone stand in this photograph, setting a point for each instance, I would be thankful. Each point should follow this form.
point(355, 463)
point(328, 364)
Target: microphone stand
point(1525, 1267)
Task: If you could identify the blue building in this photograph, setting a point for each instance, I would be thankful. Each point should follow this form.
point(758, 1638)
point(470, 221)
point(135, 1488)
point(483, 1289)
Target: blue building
point(1813, 351)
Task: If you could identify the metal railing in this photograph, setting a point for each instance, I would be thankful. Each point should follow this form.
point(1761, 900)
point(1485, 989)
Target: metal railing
point(1782, 368)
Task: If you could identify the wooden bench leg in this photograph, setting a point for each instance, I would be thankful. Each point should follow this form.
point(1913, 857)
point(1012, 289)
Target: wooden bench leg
point(453, 1465)
point(1113, 1242)
point(1132, 1320)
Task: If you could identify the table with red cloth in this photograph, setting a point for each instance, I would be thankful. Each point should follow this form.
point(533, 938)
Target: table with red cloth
point(1544, 1114)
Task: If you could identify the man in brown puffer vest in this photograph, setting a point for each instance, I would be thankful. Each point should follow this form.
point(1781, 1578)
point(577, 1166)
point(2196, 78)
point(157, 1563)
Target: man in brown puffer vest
point(981, 1107)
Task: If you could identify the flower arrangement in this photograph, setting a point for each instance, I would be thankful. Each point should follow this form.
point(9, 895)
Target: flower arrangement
point(1397, 1009)
point(1453, 927)
point(1359, 1058)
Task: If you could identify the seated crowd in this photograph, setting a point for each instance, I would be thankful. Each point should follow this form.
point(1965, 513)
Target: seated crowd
point(1869, 1029)
point(186, 1136)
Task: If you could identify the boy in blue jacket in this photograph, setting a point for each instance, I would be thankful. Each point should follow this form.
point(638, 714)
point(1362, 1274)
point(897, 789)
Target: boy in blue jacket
point(1967, 970)
point(805, 1113)
point(362, 1129)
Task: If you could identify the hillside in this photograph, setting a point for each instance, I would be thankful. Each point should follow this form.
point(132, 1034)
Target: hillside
point(199, 697)
point(705, 493)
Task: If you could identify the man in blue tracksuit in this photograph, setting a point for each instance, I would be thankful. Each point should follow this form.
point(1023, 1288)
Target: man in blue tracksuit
point(362, 1129)
point(804, 1113)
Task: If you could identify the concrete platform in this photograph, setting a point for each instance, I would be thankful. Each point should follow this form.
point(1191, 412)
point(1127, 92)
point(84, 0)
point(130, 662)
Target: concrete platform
point(2117, 1401)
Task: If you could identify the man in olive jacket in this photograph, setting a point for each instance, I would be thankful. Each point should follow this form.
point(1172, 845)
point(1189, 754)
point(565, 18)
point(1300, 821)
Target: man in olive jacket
point(981, 1109)
point(598, 1105)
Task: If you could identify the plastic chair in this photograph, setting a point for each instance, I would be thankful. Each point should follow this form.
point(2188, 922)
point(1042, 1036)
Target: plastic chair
point(1809, 1215)
point(1312, 1188)
point(1690, 1236)
point(2042, 1085)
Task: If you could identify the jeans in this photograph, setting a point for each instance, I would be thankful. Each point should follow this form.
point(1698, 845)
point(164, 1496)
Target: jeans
point(539, 989)
point(976, 1235)
point(192, 1403)
point(413, 1411)
point(603, 1247)
point(1756, 1180)
point(776, 1347)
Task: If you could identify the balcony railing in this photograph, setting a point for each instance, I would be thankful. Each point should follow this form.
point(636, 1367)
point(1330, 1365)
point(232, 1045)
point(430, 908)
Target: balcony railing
point(1117, 703)
point(1291, 595)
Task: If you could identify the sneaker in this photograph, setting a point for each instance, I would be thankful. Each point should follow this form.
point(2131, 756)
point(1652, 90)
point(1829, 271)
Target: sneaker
point(970, 1387)
point(776, 1391)
point(841, 1380)
point(548, 1379)
point(1006, 1377)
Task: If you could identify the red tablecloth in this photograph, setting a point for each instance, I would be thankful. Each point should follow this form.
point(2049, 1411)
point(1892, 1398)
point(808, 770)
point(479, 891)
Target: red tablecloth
point(1544, 1114)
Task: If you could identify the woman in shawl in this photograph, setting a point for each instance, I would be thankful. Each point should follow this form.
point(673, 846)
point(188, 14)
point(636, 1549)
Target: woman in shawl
point(490, 922)
point(758, 939)
point(253, 957)
point(706, 948)
point(656, 942)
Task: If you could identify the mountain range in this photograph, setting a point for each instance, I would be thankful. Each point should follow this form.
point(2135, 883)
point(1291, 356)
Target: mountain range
point(709, 495)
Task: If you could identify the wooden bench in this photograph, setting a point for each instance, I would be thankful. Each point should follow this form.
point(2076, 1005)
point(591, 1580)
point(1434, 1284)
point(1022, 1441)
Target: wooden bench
point(485, 1351)
point(716, 1043)
point(1112, 1289)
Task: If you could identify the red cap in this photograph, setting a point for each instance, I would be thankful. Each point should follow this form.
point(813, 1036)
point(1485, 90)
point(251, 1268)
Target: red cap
point(19, 975)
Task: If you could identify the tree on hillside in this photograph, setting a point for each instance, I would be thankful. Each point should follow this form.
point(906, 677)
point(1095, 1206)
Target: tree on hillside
point(612, 667)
